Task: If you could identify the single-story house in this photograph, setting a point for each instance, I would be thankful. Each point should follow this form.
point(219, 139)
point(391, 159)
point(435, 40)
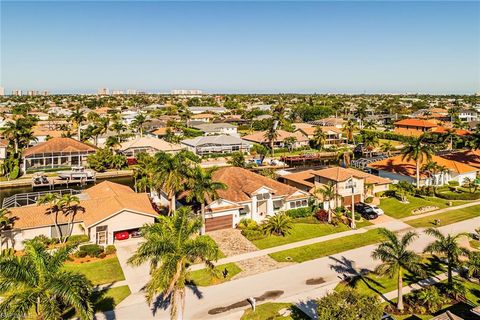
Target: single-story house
point(470, 157)
point(203, 117)
point(399, 169)
point(208, 109)
point(104, 210)
point(301, 140)
point(217, 128)
point(216, 144)
point(56, 153)
point(329, 122)
point(147, 145)
point(249, 195)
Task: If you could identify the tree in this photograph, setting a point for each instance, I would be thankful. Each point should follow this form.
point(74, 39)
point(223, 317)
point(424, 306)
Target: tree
point(387, 147)
point(345, 153)
point(447, 246)
point(473, 265)
point(78, 117)
point(361, 113)
point(279, 224)
point(238, 160)
point(319, 138)
point(396, 258)
point(5, 223)
point(370, 125)
point(36, 283)
point(69, 206)
point(139, 122)
point(19, 131)
point(202, 187)
point(415, 149)
point(290, 142)
point(54, 208)
point(100, 126)
point(271, 135)
point(349, 128)
point(349, 304)
point(171, 247)
point(328, 192)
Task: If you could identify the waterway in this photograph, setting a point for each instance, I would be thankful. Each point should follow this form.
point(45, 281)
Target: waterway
point(7, 192)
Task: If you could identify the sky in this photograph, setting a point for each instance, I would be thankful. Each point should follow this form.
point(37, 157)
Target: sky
point(241, 47)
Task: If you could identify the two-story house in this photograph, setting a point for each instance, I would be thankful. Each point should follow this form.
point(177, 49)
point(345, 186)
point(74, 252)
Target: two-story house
point(209, 129)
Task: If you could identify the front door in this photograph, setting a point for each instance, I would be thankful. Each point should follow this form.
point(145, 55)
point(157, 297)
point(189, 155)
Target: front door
point(101, 234)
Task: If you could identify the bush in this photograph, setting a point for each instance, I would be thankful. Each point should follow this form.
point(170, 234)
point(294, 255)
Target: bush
point(77, 239)
point(322, 215)
point(102, 255)
point(300, 212)
point(453, 183)
point(110, 249)
point(369, 200)
point(279, 224)
point(449, 195)
point(252, 234)
point(80, 254)
point(92, 250)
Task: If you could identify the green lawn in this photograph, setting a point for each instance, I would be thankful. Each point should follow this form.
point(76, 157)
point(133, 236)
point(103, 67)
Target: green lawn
point(271, 311)
point(107, 300)
point(327, 248)
point(99, 272)
point(372, 283)
point(204, 277)
point(299, 232)
point(446, 217)
point(475, 244)
point(396, 209)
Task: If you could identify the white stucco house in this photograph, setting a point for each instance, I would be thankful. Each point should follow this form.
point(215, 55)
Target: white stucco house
point(104, 210)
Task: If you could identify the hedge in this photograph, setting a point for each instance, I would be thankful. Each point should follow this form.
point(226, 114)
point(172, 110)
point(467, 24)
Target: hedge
point(92, 250)
point(300, 212)
point(449, 195)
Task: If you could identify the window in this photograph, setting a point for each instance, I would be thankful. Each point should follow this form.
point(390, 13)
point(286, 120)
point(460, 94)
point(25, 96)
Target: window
point(277, 204)
point(63, 231)
point(263, 196)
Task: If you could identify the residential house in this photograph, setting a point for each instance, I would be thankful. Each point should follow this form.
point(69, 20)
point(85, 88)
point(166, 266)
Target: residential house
point(203, 117)
point(333, 135)
point(301, 140)
point(198, 110)
point(413, 127)
point(467, 115)
point(56, 153)
point(329, 122)
point(249, 196)
point(104, 210)
point(147, 145)
point(216, 144)
point(217, 128)
point(399, 169)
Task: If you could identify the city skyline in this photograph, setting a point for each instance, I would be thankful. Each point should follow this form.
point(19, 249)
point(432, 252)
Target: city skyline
point(251, 47)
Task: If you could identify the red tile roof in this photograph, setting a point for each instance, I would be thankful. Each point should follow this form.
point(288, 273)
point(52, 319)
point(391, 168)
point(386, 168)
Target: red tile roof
point(415, 123)
point(59, 145)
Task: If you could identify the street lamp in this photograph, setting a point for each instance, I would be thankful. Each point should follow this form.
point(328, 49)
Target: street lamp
point(351, 184)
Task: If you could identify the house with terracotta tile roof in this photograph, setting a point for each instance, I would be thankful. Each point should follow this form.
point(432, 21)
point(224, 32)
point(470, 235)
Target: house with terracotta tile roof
point(413, 127)
point(399, 169)
point(279, 142)
point(56, 153)
point(249, 195)
point(349, 184)
point(333, 135)
point(104, 210)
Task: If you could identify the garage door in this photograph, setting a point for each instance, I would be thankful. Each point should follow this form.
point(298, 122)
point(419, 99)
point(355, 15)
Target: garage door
point(217, 223)
point(347, 201)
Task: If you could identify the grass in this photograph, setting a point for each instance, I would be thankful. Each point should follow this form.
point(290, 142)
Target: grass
point(371, 283)
point(396, 209)
point(107, 300)
point(395, 143)
point(103, 271)
point(475, 244)
point(204, 277)
point(446, 217)
point(299, 232)
point(271, 311)
point(329, 247)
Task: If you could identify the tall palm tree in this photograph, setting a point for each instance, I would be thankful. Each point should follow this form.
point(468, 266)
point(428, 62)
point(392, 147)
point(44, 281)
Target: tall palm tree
point(370, 125)
point(417, 150)
point(349, 128)
point(473, 265)
point(344, 153)
point(272, 134)
point(139, 123)
point(319, 138)
point(171, 247)
point(447, 246)
point(78, 116)
point(69, 206)
point(100, 127)
point(361, 113)
point(396, 258)
point(328, 193)
point(202, 187)
point(19, 131)
point(54, 208)
point(36, 283)
point(5, 223)
point(387, 147)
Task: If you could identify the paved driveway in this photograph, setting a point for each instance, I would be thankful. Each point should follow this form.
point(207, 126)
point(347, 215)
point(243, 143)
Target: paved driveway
point(136, 277)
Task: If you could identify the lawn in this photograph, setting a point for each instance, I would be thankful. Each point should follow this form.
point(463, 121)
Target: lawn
point(204, 277)
point(446, 217)
point(103, 271)
point(475, 244)
point(396, 209)
point(271, 310)
point(299, 232)
point(372, 283)
point(107, 300)
point(326, 248)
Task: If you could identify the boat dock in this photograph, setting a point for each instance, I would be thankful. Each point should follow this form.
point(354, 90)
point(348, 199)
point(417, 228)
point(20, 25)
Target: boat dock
point(308, 157)
point(52, 182)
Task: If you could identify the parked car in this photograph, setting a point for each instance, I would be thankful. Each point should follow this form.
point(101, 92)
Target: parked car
point(135, 234)
point(123, 235)
point(365, 211)
point(376, 209)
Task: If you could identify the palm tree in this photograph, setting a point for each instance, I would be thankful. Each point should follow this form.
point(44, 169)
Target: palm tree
point(171, 247)
point(100, 127)
point(361, 113)
point(202, 187)
point(139, 122)
point(473, 265)
point(78, 116)
point(5, 223)
point(349, 128)
point(278, 224)
point(417, 150)
point(36, 283)
point(69, 206)
point(447, 246)
point(370, 125)
point(396, 258)
point(54, 208)
point(271, 135)
point(387, 147)
point(328, 193)
point(344, 153)
point(19, 131)
point(319, 138)
point(290, 142)
point(449, 135)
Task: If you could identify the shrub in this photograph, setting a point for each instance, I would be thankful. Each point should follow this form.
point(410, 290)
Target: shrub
point(279, 224)
point(44, 240)
point(77, 239)
point(453, 183)
point(322, 215)
point(92, 250)
point(369, 200)
point(80, 254)
point(449, 195)
point(247, 224)
point(110, 249)
point(252, 234)
point(300, 212)
point(102, 255)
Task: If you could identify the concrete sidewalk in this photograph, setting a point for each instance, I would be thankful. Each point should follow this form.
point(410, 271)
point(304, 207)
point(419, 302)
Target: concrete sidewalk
point(431, 213)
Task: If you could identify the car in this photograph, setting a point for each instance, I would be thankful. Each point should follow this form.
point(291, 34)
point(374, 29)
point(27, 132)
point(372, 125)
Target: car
point(365, 211)
point(122, 235)
point(376, 209)
point(135, 234)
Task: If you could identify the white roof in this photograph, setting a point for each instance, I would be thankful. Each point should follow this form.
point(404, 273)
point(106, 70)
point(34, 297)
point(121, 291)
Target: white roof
point(155, 143)
point(215, 140)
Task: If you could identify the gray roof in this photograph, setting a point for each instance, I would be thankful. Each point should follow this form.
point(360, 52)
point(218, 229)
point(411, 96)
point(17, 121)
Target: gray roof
point(215, 140)
point(207, 109)
point(213, 127)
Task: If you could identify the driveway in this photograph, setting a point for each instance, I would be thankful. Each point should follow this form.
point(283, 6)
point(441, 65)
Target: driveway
point(136, 277)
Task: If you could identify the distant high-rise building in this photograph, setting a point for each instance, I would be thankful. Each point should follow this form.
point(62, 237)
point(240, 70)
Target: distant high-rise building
point(117, 92)
point(2, 91)
point(103, 92)
point(46, 93)
point(16, 92)
point(186, 92)
point(132, 91)
point(32, 93)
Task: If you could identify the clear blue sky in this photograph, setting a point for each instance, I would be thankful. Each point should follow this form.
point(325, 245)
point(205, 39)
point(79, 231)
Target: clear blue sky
point(241, 47)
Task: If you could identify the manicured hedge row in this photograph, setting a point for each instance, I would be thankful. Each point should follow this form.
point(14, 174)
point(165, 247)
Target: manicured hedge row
point(449, 195)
